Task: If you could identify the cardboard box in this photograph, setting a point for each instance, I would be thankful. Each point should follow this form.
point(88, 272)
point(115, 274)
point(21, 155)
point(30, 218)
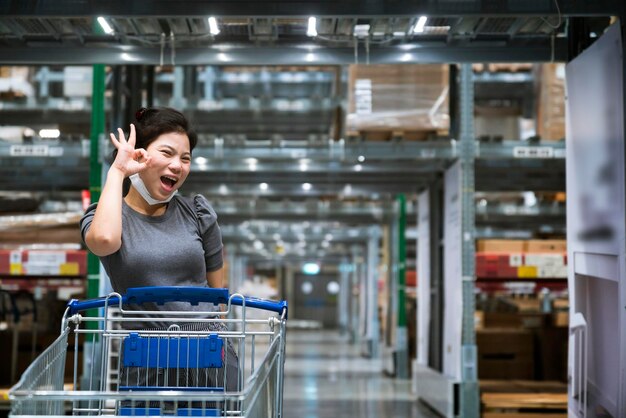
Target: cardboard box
point(555, 272)
point(527, 272)
point(544, 259)
point(560, 319)
point(496, 265)
point(514, 320)
point(407, 97)
point(505, 354)
point(551, 353)
point(546, 246)
point(500, 246)
point(551, 101)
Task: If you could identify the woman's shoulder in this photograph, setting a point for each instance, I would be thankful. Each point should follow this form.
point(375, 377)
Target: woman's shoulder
point(198, 205)
point(90, 211)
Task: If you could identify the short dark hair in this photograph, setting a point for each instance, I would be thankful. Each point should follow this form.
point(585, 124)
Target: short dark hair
point(150, 123)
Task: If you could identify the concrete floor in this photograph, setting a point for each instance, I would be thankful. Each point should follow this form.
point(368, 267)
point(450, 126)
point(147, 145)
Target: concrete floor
point(325, 377)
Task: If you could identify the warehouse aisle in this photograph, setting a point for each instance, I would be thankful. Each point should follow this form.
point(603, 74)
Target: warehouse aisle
point(326, 377)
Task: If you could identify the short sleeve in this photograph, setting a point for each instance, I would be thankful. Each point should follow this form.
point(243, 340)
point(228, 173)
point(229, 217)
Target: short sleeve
point(210, 234)
point(85, 221)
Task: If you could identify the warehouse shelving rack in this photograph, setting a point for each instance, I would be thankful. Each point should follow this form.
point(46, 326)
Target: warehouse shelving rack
point(81, 49)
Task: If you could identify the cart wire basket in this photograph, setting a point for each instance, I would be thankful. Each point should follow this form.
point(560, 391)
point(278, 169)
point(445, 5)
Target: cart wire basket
point(144, 355)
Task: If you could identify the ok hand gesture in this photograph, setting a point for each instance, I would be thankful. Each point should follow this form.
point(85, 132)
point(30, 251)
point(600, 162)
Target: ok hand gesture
point(128, 159)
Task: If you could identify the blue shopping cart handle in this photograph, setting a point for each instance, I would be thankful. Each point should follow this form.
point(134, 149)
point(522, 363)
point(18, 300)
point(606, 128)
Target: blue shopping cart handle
point(163, 294)
point(74, 305)
point(268, 305)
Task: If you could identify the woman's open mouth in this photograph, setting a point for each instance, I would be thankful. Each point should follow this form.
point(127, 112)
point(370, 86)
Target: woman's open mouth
point(168, 183)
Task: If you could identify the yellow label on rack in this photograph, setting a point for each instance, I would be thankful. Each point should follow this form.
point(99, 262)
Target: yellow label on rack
point(69, 269)
point(527, 271)
point(15, 269)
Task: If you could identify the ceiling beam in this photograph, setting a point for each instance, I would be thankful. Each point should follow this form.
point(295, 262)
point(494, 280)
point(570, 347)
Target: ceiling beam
point(518, 50)
point(278, 8)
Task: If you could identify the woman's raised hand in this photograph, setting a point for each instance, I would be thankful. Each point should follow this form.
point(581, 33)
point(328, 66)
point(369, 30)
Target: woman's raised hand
point(128, 159)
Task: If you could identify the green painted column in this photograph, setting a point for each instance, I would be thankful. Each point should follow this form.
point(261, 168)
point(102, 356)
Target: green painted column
point(401, 199)
point(402, 340)
point(95, 167)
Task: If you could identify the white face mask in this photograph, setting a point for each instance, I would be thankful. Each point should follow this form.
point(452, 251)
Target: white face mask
point(139, 185)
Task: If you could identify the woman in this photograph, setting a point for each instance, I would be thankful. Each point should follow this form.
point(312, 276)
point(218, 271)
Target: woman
point(151, 236)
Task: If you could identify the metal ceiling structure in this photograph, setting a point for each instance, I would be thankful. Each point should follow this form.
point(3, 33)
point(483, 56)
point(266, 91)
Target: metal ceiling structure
point(173, 33)
point(275, 32)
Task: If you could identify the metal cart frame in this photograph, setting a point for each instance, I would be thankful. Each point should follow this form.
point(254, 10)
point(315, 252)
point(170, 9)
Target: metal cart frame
point(42, 389)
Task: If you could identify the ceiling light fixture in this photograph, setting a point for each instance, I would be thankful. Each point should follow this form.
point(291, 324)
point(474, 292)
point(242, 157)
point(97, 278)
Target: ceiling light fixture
point(263, 186)
point(105, 25)
point(419, 26)
point(306, 186)
point(361, 31)
point(213, 26)
point(312, 28)
point(310, 268)
point(49, 133)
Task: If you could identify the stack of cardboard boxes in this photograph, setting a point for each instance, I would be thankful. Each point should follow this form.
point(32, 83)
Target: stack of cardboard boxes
point(521, 259)
point(409, 100)
point(550, 80)
point(521, 337)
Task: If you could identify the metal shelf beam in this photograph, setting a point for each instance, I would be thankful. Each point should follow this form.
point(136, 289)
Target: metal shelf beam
point(43, 53)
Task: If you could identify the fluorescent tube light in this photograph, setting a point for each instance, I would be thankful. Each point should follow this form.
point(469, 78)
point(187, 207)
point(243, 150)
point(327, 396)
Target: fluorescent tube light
point(213, 26)
point(419, 26)
point(49, 133)
point(312, 29)
point(105, 25)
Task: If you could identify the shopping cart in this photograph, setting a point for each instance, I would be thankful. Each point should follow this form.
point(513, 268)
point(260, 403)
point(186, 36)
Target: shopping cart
point(200, 363)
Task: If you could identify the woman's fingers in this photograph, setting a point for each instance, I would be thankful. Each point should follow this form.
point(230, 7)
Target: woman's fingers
point(114, 140)
point(142, 157)
point(145, 163)
point(131, 136)
point(122, 137)
point(140, 154)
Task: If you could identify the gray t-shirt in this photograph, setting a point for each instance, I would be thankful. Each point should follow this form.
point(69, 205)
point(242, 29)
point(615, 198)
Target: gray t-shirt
point(177, 248)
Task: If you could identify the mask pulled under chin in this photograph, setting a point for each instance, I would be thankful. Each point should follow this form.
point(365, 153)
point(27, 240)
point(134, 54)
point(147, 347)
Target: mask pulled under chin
point(139, 185)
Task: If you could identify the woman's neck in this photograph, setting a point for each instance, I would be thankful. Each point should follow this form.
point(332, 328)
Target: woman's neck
point(139, 204)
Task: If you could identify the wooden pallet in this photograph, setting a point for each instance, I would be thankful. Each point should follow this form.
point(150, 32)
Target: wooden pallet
point(510, 67)
point(395, 135)
point(523, 415)
point(523, 399)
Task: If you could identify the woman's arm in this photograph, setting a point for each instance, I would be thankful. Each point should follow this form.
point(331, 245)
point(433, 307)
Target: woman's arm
point(104, 236)
point(215, 278)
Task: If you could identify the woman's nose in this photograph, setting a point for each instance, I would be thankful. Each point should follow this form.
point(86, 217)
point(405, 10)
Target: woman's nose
point(175, 164)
